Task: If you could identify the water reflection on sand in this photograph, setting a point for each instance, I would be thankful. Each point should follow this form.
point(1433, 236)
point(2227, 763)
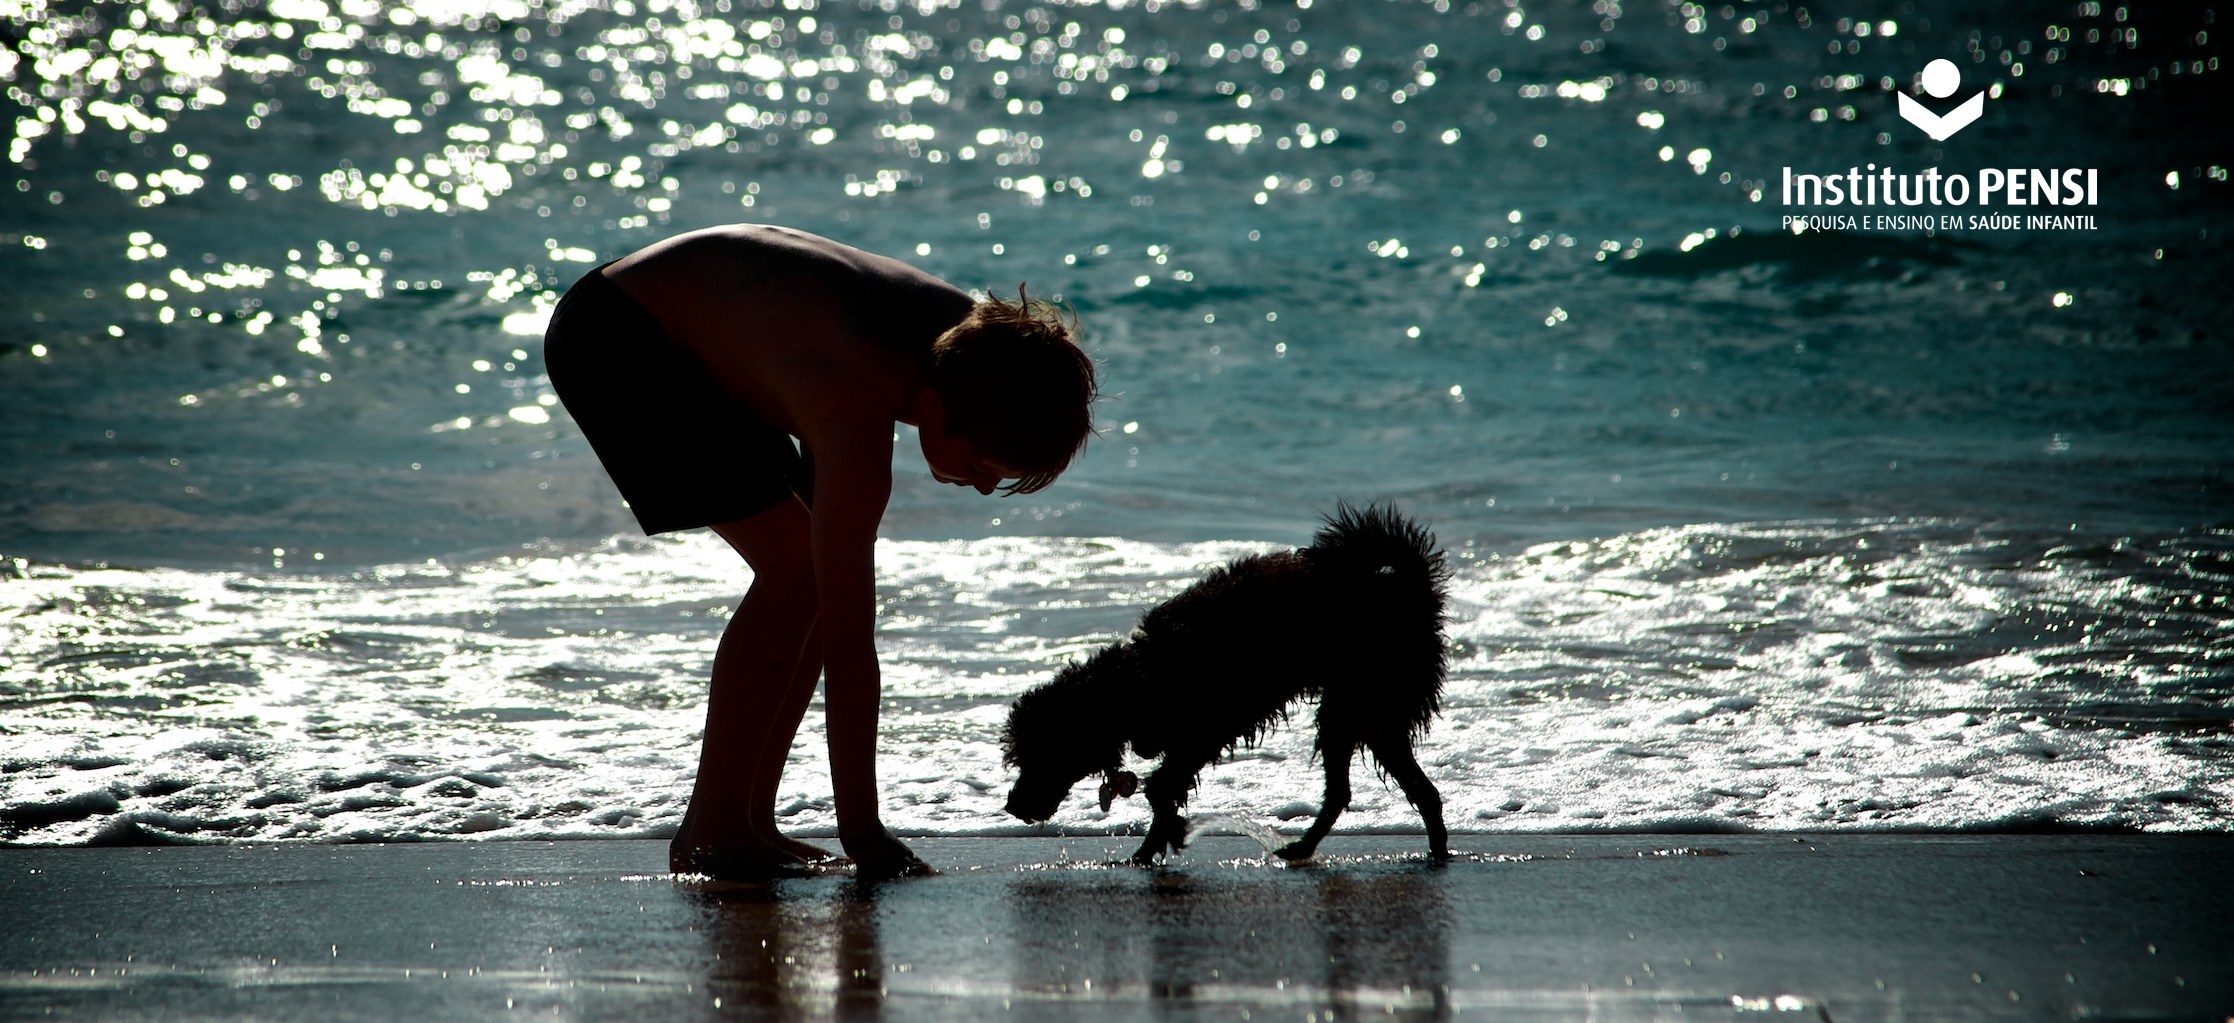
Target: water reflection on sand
point(1330, 944)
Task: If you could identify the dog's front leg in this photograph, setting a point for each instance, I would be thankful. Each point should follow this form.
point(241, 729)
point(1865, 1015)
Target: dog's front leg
point(1167, 792)
point(1337, 757)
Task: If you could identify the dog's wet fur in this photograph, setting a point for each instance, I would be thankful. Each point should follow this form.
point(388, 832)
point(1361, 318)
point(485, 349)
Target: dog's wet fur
point(1354, 622)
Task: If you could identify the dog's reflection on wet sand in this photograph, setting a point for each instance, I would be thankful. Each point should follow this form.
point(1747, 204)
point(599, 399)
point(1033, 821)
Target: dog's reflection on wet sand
point(1329, 941)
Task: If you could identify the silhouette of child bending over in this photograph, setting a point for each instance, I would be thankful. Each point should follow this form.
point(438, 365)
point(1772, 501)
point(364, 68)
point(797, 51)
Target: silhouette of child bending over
point(690, 366)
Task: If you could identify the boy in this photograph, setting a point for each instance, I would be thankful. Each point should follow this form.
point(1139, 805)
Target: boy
point(690, 366)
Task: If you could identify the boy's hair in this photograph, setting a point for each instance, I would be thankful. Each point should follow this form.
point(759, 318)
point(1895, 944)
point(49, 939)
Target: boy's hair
point(1017, 387)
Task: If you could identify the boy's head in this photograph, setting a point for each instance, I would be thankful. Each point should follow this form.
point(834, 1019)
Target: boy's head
point(1016, 386)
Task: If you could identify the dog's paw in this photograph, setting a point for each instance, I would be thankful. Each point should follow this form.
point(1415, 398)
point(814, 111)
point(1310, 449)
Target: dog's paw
point(1295, 852)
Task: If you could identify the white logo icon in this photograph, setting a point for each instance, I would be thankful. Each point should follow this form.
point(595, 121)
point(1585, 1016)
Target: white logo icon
point(1941, 79)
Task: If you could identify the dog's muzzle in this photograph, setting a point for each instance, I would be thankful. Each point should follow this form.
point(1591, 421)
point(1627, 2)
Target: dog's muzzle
point(1031, 811)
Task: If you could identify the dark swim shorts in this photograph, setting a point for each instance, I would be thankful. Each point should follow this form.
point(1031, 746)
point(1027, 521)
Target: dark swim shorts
point(682, 451)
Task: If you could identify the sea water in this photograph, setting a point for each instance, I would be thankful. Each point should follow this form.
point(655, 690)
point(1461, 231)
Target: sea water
point(1908, 527)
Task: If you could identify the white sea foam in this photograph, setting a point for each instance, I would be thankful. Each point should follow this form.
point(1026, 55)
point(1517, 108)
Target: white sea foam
point(1797, 676)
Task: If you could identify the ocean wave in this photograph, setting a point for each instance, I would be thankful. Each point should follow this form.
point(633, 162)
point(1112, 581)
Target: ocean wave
point(1892, 675)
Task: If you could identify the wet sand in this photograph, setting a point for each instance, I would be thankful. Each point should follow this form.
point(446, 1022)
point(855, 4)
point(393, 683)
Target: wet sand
point(1841, 927)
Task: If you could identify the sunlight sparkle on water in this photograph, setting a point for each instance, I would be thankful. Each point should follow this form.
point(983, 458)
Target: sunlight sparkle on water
point(280, 267)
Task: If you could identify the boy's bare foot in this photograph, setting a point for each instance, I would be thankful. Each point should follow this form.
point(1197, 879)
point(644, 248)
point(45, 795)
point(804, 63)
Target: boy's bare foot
point(814, 854)
point(753, 861)
point(881, 857)
point(766, 863)
point(678, 847)
point(680, 850)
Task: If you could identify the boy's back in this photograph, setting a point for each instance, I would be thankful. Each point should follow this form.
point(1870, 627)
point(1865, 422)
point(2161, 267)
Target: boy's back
point(781, 317)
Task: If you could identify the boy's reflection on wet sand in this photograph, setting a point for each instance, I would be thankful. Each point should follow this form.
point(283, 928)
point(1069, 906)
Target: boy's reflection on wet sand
point(796, 955)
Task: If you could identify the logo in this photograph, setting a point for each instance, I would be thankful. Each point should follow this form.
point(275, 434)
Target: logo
point(1941, 79)
point(1945, 189)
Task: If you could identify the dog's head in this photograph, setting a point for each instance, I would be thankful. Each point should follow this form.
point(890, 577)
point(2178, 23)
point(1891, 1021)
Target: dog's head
point(1057, 734)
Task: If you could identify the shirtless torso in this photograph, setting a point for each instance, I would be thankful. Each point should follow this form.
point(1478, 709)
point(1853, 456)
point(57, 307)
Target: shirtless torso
point(801, 328)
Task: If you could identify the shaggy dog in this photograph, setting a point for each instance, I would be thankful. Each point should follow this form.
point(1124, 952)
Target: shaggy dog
point(1354, 621)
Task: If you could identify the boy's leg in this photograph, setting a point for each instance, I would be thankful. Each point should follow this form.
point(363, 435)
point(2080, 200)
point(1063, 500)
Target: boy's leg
point(754, 668)
point(775, 754)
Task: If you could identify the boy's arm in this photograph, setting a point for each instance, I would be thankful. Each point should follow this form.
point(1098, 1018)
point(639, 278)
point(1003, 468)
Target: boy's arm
point(853, 482)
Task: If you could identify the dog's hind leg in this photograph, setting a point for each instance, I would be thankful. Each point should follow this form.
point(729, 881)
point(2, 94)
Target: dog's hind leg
point(1167, 790)
point(1395, 754)
point(1337, 755)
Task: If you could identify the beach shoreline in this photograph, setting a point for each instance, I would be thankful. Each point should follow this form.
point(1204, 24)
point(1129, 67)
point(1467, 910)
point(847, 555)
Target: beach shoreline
point(1842, 926)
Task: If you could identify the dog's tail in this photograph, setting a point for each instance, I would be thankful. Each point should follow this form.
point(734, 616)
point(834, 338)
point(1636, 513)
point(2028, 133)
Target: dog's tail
point(1378, 552)
point(1379, 543)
